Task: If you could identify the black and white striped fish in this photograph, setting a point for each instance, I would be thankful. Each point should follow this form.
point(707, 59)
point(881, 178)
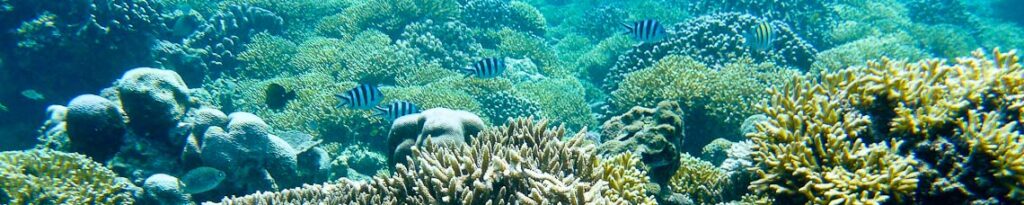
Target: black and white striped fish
point(647, 31)
point(396, 109)
point(761, 37)
point(363, 97)
point(487, 68)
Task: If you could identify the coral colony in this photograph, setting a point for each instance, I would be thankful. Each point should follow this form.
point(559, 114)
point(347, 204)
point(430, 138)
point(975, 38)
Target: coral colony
point(511, 102)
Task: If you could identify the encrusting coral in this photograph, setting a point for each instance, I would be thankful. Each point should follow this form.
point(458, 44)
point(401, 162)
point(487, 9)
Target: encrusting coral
point(522, 162)
point(894, 131)
point(43, 176)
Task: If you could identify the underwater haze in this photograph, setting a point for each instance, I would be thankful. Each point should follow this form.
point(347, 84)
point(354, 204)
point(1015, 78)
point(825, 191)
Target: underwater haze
point(511, 102)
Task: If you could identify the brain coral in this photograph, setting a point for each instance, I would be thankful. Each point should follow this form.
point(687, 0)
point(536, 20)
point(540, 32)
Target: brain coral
point(43, 176)
point(522, 162)
point(889, 123)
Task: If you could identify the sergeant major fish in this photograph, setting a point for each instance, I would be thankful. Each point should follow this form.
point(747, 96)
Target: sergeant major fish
point(647, 31)
point(760, 37)
point(487, 68)
point(396, 109)
point(363, 97)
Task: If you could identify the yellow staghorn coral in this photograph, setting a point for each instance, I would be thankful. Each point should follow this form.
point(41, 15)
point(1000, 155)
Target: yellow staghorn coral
point(626, 178)
point(930, 93)
point(989, 135)
point(699, 179)
point(811, 151)
point(523, 162)
point(851, 137)
point(43, 176)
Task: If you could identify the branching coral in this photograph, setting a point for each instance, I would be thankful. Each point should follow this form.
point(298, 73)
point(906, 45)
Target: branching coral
point(872, 133)
point(391, 16)
point(52, 177)
point(560, 100)
point(724, 94)
point(810, 149)
point(523, 162)
point(704, 182)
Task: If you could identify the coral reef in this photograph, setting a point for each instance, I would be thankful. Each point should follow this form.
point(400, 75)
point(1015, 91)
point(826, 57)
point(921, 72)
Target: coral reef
point(525, 161)
point(899, 126)
point(43, 176)
point(653, 133)
point(809, 18)
point(715, 40)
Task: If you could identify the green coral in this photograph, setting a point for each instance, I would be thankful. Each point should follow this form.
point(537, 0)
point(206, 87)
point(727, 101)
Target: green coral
point(42, 176)
point(368, 57)
point(857, 52)
point(724, 94)
point(391, 16)
point(517, 44)
point(699, 179)
point(560, 99)
point(266, 56)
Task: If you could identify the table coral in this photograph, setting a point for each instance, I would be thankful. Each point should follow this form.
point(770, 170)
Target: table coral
point(522, 162)
point(43, 176)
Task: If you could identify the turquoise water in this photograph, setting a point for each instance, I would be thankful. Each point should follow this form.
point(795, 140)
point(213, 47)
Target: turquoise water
point(661, 101)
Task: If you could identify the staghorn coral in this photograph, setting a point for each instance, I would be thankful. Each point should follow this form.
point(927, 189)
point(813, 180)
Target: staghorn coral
point(901, 126)
point(266, 56)
point(521, 162)
point(43, 176)
point(715, 40)
point(699, 179)
point(811, 151)
point(724, 95)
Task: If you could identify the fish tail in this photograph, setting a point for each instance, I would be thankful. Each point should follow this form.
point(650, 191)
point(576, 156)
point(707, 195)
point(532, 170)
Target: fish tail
point(379, 111)
point(628, 28)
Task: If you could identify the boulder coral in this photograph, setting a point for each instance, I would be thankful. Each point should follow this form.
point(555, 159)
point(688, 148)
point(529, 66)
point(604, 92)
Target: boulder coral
point(93, 120)
point(256, 159)
point(522, 162)
point(44, 176)
point(655, 134)
point(901, 126)
point(441, 126)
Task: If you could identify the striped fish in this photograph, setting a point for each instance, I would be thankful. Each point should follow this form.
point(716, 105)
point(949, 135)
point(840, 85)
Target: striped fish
point(487, 68)
point(396, 109)
point(647, 31)
point(761, 36)
point(363, 97)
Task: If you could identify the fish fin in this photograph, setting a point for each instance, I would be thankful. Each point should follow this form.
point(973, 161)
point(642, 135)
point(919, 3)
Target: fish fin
point(345, 100)
point(379, 111)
